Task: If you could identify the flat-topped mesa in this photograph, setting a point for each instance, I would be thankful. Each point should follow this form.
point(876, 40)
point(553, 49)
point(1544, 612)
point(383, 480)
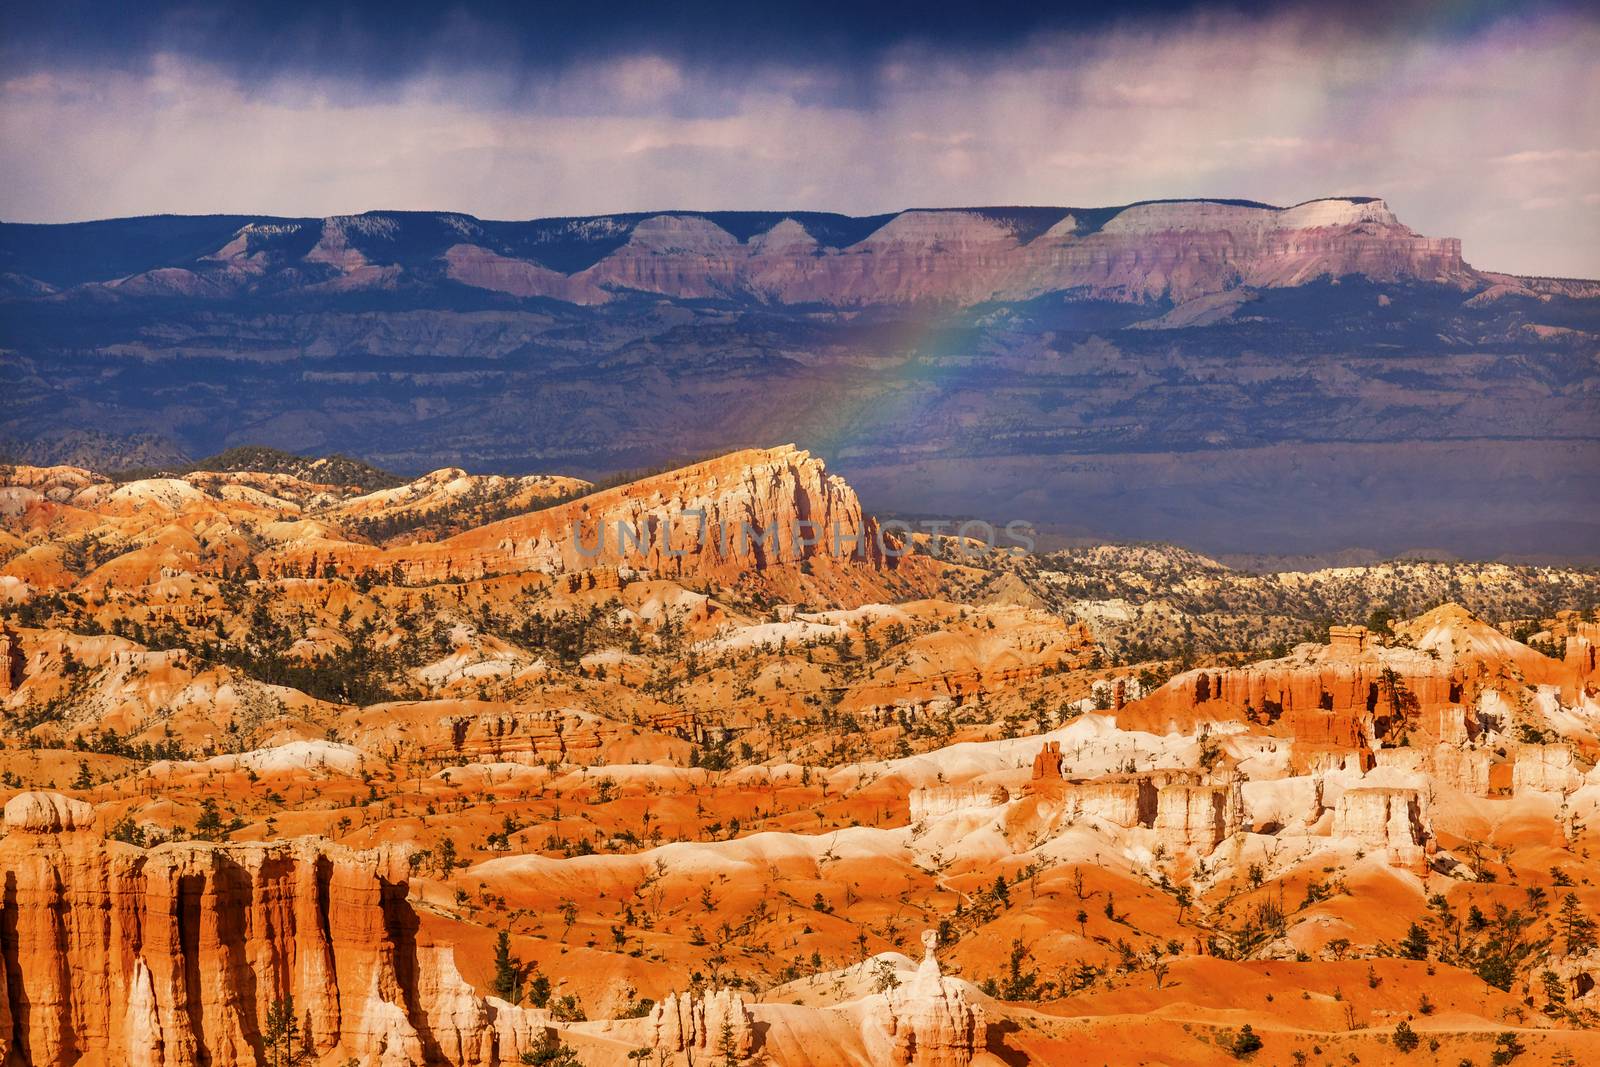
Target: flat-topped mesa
point(1177, 249)
point(1351, 695)
point(1335, 701)
point(1190, 810)
point(740, 513)
point(1441, 677)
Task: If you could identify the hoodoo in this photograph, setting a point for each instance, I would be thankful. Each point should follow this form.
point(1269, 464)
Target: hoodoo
point(408, 758)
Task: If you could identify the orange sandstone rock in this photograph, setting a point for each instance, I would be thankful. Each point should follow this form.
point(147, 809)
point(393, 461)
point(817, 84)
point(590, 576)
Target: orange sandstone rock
point(697, 1024)
point(173, 957)
point(11, 661)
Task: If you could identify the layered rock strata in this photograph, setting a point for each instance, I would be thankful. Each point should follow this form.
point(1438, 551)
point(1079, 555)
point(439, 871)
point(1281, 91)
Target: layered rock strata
point(743, 512)
point(1175, 249)
point(1393, 819)
point(174, 957)
point(714, 1024)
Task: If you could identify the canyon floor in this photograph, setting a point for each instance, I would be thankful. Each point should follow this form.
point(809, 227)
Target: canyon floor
point(303, 766)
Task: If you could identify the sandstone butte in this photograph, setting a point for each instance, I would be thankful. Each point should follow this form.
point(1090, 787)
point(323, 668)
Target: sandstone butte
point(715, 520)
point(268, 738)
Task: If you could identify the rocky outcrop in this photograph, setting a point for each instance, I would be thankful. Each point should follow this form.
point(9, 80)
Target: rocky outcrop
point(1336, 701)
point(928, 802)
point(741, 513)
point(1123, 800)
point(1355, 694)
point(1189, 811)
point(528, 737)
point(928, 1021)
point(1465, 769)
point(1581, 657)
point(1198, 817)
point(1347, 640)
point(1047, 764)
point(47, 813)
point(11, 661)
point(939, 671)
point(716, 1023)
point(1546, 768)
point(1388, 818)
point(174, 957)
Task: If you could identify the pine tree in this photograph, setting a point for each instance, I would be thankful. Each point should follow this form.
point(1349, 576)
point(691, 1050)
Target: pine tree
point(447, 857)
point(209, 825)
point(1576, 927)
point(507, 984)
point(281, 1041)
point(1247, 1043)
point(551, 1051)
point(1416, 943)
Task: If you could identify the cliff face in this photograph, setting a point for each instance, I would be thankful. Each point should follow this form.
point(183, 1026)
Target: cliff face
point(1179, 249)
point(174, 957)
point(696, 1025)
point(1394, 819)
point(742, 512)
point(1440, 677)
point(114, 956)
point(1322, 703)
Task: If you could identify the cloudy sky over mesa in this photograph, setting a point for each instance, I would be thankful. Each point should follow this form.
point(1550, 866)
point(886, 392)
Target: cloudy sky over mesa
point(1474, 119)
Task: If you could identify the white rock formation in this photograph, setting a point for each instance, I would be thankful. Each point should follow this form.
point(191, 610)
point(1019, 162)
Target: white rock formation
point(1384, 817)
point(928, 1021)
point(47, 813)
point(700, 1025)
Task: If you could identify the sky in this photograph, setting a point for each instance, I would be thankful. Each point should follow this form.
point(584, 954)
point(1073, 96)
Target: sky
point(1476, 119)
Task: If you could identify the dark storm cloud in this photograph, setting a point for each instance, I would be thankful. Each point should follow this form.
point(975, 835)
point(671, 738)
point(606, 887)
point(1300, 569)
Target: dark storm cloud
point(380, 43)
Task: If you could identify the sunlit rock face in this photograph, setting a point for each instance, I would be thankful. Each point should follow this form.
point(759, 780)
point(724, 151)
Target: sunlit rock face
point(929, 1021)
point(176, 956)
point(745, 511)
point(1392, 819)
point(715, 1022)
